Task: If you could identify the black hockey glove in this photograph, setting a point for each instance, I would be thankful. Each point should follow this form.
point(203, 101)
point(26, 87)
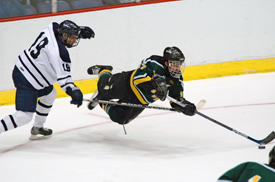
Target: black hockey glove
point(160, 87)
point(86, 33)
point(189, 109)
point(76, 94)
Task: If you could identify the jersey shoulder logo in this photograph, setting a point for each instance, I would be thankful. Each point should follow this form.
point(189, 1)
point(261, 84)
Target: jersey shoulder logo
point(255, 178)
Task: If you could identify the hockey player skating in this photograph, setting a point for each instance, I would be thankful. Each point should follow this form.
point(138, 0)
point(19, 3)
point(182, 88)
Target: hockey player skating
point(155, 77)
point(252, 171)
point(44, 63)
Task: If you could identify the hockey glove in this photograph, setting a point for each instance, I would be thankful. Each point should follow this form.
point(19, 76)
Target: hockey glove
point(76, 94)
point(160, 87)
point(189, 109)
point(86, 33)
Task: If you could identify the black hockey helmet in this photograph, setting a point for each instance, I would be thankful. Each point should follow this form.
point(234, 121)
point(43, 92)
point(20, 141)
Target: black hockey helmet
point(69, 28)
point(175, 58)
point(272, 157)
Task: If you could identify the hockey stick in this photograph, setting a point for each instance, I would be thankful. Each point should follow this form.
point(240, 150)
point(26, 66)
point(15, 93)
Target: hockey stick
point(264, 141)
point(130, 104)
point(199, 105)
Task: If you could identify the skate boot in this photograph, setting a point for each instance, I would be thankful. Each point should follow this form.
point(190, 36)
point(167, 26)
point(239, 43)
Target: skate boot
point(40, 133)
point(96, 69)
point(92, 105)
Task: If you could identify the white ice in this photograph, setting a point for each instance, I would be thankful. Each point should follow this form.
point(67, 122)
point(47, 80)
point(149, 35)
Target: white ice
point(160, 146)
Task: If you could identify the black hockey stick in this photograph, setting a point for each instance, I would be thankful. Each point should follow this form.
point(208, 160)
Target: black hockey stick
point(264, 141)
point(199, 105)
point(130, 104)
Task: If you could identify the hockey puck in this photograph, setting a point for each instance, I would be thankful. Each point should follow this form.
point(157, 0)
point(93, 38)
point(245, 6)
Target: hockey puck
point(261, 147)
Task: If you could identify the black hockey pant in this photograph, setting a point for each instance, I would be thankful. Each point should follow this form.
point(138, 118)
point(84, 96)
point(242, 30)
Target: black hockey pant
point(117, 86)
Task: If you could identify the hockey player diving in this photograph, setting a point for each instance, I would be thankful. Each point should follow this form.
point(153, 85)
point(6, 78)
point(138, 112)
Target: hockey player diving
point(37, 68)
point(156, 77)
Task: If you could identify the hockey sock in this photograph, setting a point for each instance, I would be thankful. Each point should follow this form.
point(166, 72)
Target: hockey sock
point(43, 108)
point(117, 113)
point(104, 73)
point(19, 118)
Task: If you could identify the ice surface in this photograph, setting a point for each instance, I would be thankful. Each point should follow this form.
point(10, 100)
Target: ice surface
point(160, 146)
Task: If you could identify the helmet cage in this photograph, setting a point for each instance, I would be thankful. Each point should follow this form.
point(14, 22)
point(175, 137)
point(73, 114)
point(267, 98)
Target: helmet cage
point(176, 68)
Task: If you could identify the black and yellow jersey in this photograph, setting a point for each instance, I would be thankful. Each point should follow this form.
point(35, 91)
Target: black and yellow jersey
point(141, 78)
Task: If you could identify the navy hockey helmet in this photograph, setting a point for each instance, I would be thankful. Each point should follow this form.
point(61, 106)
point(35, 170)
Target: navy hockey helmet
point(69, 28)
point(176, 61)
point(272, 157)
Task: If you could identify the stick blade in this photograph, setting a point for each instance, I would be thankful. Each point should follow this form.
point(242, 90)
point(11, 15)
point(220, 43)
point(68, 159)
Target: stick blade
point(269, 138)
point(201, 104)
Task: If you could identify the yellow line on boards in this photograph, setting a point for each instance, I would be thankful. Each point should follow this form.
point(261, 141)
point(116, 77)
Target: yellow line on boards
point(190, 73)
point(229, 69)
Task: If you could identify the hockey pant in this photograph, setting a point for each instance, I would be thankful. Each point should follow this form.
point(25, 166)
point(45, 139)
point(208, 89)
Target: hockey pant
point(117, 86)
point(26, 104)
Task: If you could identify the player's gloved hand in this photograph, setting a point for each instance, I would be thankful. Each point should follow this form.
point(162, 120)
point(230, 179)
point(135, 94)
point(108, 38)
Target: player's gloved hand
point(160, 87)
point(76, 94)
point(86, 32)
point(189, 109)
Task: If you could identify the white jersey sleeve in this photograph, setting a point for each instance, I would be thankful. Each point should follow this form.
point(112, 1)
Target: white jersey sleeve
point(46, 61)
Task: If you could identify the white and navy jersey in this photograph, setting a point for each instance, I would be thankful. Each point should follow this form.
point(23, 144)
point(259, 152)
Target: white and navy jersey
point(46, 61)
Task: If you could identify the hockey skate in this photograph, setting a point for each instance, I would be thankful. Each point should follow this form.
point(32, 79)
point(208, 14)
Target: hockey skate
point(96, 69)
point(92, 105)
point(40, 133)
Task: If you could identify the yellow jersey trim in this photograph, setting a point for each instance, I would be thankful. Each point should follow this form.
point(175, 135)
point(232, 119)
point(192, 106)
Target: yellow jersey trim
point(142, 80)
point(135, 90)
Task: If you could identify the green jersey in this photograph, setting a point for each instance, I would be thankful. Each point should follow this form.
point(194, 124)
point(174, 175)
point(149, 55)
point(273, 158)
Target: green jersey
point(249, 172)
point(141, 85)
